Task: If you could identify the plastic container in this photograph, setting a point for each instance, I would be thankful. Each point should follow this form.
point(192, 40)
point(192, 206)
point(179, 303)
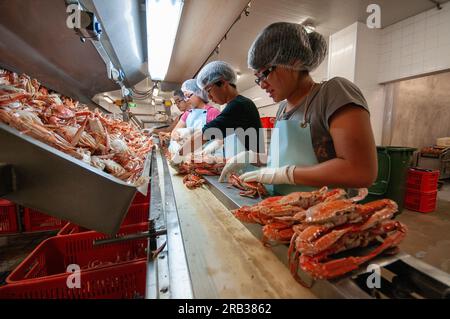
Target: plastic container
point(51, 258)
point(422, 180)
point(424, 202)
point(137, 214)
point(393, 164)
point(268, 122)
point(8, 217)
point(36, 221)
point(125, 281)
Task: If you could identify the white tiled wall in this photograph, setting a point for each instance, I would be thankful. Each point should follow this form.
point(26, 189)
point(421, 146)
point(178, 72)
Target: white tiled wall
point(415, 46)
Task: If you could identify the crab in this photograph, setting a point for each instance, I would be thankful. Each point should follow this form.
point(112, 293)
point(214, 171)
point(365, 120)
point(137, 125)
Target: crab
point(249, 189)
point(193, 181)
point(338, 226)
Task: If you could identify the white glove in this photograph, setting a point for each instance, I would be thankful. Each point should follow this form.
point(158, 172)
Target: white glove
point(212, 147)
point(238, 163)
point(281, 175)
point(182, 133)
point(177, 159)
point(185, 132)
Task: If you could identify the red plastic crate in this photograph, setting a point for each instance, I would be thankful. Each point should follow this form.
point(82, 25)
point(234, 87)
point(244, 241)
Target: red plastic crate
point(125, 281)
point(268, 122)
point(37, 221)
point(137, 214)
point(141, 199)
point(422, 180)
point(8, 217)
point(51, 257)
point(424, 202)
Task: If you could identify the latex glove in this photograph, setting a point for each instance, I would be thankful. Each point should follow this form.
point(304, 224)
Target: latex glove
point(280, 175)
point(176, 160)
point(212, 147)
point(185, 132)
point(238, 163)
point(181, 133)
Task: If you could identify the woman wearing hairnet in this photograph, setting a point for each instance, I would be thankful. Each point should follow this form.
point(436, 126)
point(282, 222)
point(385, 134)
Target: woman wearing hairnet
point(182, 105)
point(218, 79)
point(199, 115)
point(323, 135)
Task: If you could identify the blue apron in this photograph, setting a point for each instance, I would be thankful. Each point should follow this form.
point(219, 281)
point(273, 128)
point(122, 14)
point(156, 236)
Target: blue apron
point(291, 144)
point(196, 118)
point(232, 146)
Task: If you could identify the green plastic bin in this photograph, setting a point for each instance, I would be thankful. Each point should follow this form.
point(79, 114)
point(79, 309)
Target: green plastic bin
point(393, 164)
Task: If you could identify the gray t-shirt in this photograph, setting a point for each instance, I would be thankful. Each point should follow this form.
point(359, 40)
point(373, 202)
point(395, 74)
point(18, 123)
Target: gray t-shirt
point(325, 100)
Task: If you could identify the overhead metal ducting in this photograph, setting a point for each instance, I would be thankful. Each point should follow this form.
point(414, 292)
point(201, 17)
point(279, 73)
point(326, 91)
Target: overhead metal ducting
point(36, 40)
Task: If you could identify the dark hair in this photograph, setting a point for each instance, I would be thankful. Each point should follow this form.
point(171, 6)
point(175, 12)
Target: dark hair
point(179, 93)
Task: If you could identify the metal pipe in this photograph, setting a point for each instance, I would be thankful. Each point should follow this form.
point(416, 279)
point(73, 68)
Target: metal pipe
point(130, 237)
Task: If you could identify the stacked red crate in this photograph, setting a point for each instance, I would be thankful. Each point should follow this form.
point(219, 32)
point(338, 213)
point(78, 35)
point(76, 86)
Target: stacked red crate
point(114, 270)
point(421, 190)
point(36, 221)
point(8, 217)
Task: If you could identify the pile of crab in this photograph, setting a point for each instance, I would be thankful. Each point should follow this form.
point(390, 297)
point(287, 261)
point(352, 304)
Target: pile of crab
point(108, 144)
point(195, 166)
point(318, 225)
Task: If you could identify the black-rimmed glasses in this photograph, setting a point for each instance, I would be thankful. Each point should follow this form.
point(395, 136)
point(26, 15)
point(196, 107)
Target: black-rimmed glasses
point(264, 75)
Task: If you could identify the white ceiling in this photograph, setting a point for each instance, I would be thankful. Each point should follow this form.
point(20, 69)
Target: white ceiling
point(204, 23)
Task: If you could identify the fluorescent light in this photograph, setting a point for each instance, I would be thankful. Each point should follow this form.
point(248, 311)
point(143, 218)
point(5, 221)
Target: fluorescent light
point(163, 17)
point(155, 92)
point(108, 99)
point(310, 28)
point(257, 99)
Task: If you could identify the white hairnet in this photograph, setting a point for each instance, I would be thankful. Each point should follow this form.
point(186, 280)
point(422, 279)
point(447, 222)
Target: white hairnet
point(192, 87)
point(289, 45)
point(215, 71)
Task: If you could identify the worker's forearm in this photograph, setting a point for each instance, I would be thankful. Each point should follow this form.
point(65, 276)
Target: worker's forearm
point(336, 172)
point(194, 144)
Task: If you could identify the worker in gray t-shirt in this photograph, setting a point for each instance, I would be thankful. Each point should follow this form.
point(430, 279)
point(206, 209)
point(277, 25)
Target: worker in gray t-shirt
point(323, 135)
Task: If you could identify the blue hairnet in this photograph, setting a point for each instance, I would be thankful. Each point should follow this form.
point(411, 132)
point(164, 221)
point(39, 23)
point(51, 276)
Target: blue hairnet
point(289, 45)
point(215, 71)
point(192, 87)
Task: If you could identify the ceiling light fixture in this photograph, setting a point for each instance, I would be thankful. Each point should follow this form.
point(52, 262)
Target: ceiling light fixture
point(310, 28)
point(108, 99)
point(163, 18)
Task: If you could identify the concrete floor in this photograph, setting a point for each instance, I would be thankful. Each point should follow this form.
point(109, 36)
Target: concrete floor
point(428, 238)
point(15, 248)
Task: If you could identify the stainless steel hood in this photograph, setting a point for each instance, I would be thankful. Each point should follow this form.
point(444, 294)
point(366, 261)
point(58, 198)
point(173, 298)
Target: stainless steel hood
point(124, 35)
point(35, 39)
